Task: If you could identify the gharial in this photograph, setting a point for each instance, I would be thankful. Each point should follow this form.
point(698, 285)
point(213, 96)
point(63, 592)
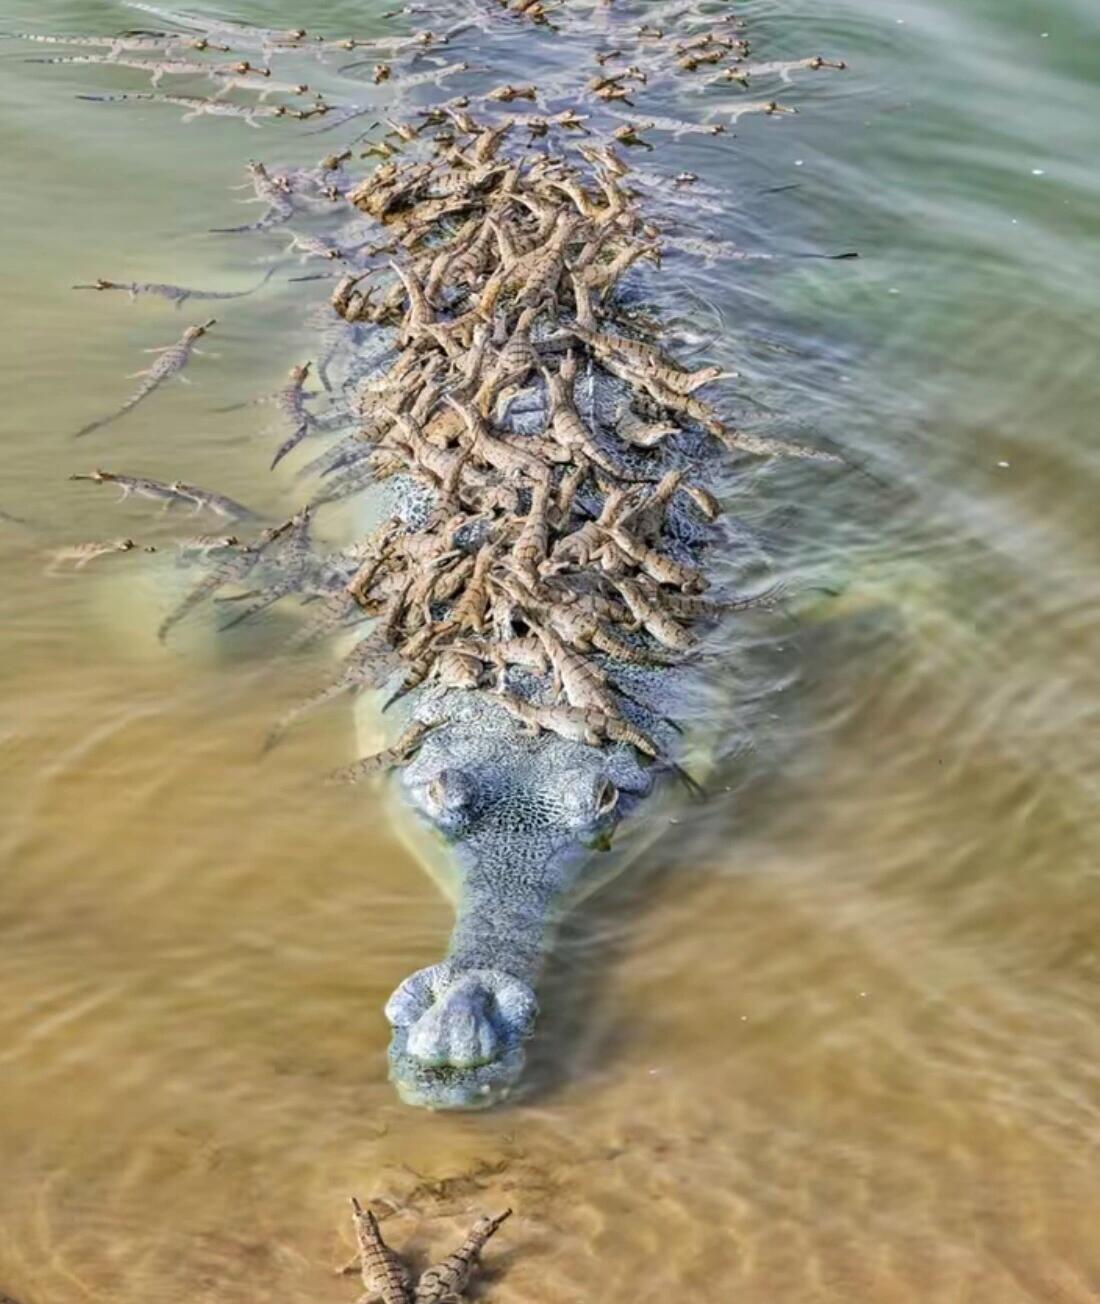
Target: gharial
point(535, 466)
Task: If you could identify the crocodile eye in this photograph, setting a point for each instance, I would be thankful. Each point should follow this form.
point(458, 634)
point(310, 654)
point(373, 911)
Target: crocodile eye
point(447, 798)
point(587, 799)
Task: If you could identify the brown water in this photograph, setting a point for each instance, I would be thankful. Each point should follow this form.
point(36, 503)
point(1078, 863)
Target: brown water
point(837, 1039)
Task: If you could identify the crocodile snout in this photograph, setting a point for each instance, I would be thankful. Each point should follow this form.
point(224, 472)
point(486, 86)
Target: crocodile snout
point(459, 1030)
point(458, 1036)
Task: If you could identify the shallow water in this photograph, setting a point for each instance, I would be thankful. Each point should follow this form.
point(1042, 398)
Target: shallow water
point(836, 1039)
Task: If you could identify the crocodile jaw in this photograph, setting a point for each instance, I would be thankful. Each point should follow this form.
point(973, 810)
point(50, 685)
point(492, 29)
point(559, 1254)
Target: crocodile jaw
point(427, 1087)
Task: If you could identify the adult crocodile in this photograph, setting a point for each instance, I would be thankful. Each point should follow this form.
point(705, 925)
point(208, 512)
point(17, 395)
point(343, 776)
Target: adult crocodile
point(537, 516)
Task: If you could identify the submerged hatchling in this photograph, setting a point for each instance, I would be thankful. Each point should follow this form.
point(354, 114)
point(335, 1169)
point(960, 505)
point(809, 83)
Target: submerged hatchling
point(158, 69)
point(170, 493)
point(171, 361)
point(536, 475)
point(276, 191)
point(117, 45)
point(80, 554)
point(198, 106)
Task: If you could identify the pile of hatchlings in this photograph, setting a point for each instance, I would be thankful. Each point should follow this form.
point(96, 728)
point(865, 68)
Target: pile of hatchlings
point(505, 275)
point(539, 552)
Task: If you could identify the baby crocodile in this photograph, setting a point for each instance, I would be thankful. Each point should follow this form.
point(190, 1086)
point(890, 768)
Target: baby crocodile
point(83, 553)
point(385, 1277)
point(158, 41)
point(290, 401)
point(197, 107)
point(159, 69)
point(177, 294)
point(274, 191)
point(233, 80)
point(173, 358)
point(176, 492)
point(447, 1281)
point(675, 126)
point(240, 34)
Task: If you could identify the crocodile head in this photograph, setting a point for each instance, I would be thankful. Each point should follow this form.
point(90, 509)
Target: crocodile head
point(523, 820)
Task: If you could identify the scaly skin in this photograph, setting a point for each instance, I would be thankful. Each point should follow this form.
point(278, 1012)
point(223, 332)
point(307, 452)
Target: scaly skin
point(459, 1026)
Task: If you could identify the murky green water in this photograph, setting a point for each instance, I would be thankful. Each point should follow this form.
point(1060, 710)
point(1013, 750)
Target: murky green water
point(838, 1040)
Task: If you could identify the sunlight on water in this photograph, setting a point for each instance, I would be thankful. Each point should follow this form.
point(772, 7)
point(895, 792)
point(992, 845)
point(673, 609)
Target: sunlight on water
point(835, 1040)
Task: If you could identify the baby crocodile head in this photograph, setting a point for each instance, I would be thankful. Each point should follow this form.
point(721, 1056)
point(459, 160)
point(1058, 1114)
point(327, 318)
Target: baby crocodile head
point(523, 819)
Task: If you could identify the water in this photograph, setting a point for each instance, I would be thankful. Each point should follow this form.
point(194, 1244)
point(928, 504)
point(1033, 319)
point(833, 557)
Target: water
point(836, 1040)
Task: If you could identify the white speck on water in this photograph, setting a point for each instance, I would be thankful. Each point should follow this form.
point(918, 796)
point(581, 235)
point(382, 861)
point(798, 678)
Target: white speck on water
point(1037, 172)
point(1015, 221)
point(894, 289)
point(1004, 465)
point(798, 162)
point(1043, 36)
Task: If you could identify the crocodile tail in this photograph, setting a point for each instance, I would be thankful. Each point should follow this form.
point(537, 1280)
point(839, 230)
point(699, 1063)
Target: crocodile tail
point(290, 443)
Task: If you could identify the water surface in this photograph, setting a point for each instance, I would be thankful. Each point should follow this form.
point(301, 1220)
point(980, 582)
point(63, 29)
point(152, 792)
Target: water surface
point(836, 1039)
